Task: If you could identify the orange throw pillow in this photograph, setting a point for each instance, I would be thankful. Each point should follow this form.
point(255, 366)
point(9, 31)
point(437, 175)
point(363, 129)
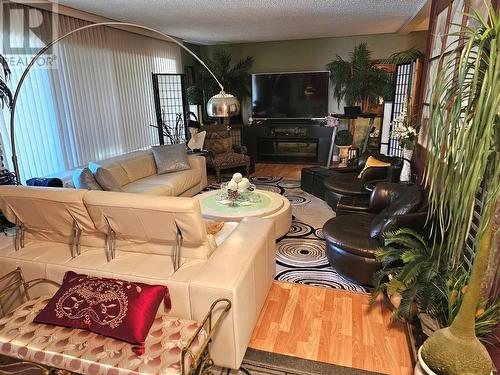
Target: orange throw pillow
point(214, 227)
point(372, 162)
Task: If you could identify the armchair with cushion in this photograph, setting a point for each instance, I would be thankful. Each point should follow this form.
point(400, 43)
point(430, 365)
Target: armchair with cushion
point(353, 181)
point(222, 153)
point(353, 238)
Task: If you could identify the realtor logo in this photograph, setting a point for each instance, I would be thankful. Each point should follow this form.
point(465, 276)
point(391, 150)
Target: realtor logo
point(28, 27)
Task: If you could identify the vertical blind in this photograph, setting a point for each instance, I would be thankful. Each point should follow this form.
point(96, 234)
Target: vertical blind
point(97, 103)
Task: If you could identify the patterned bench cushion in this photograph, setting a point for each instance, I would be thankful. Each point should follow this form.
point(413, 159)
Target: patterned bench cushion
point(84, 352)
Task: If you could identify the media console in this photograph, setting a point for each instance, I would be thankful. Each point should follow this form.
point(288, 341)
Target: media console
point(287, 141)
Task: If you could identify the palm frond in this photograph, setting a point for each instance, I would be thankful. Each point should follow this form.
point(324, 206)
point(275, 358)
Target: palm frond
point(404, 57)
point(5, 93)
point(5, 68)
point(357, 79)
point(234, 77)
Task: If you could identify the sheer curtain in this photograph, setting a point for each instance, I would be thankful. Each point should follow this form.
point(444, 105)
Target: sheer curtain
point(97, 103)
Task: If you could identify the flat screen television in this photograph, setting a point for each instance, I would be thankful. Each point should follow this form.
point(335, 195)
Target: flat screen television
point(301, 95)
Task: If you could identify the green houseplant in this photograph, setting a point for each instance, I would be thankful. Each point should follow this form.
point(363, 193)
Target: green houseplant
point(358, 80)
point(464, 159)
point(194, 95)
point(234, 77)
point(5, 93)
point(410, 269)
point(343, 140)
point(419, 282)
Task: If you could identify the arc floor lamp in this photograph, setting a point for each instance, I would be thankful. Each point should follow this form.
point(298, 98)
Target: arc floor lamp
point(220, 105)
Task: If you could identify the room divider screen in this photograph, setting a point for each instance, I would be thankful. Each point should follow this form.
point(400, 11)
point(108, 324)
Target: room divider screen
point(171, 107)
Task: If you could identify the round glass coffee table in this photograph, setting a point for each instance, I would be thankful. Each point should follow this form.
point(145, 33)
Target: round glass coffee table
point(265, 204)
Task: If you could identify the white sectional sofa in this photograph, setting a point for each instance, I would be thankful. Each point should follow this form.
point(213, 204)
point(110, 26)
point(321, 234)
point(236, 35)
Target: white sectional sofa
point(136, 173)
point(66, 229)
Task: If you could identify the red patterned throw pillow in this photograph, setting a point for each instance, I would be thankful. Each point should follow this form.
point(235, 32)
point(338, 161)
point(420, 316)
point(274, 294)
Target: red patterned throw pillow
point(115, 308)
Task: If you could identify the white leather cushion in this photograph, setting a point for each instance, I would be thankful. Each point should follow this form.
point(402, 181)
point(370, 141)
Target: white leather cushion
point(139, 166)
point(151, 220)
point(149, 189)
point(178, 182)
point(49, 214)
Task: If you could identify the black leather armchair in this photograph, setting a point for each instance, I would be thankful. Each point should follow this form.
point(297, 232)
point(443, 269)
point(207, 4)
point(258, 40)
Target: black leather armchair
point(348, 183)
point(353, 238)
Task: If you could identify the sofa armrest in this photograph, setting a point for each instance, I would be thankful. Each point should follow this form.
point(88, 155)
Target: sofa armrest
point(384, 193)
point(416, 221)
point(394, 172)
point(198, 162)
point(352, 205)
point(242, 270)
point(373, 173)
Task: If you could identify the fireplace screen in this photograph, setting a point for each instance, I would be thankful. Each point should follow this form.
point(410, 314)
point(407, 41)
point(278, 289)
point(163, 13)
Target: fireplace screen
point(284, 150)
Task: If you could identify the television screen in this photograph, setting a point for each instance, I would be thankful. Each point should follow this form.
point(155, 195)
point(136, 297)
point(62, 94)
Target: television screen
point(290, 95)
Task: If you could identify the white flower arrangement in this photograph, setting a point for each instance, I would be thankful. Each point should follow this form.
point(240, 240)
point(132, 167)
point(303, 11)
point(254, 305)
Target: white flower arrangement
point(405, 132)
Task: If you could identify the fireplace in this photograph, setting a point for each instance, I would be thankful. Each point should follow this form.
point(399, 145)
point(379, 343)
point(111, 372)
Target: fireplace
point(303, 150)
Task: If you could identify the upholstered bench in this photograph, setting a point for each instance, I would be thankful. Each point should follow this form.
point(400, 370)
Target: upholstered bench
point(173, 346)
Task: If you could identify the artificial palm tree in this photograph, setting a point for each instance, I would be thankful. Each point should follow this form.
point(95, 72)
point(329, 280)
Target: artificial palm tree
point(358, 81)
point(5, 93)
point(234, 77)
point(411, 268)
point(464, 161)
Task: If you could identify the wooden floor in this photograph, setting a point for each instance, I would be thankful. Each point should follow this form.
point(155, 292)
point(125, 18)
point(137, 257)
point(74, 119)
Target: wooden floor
point(333, 326)
point(291, 171)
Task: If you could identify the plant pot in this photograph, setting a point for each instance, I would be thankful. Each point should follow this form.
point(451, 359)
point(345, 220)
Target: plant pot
point(343, 154)
point(421, 368)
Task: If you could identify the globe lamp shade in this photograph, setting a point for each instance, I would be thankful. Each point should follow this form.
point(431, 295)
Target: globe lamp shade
point(223, 105)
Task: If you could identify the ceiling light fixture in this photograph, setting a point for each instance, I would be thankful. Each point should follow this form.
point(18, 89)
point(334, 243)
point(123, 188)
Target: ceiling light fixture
point(220, 105)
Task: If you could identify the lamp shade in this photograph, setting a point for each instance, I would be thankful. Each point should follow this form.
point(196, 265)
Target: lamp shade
point(223, 105)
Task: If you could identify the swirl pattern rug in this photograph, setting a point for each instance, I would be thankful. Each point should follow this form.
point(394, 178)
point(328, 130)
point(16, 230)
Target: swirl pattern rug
point(301, 255)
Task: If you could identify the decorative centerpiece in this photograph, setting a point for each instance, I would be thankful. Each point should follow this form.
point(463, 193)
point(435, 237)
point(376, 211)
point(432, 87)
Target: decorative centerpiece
point(406, 134)
point(237, 187)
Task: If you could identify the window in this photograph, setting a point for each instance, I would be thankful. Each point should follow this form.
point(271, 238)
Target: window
point(97, 103)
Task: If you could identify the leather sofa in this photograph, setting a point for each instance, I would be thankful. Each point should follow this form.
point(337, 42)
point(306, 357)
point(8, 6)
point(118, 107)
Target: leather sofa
point(136, 173)
point(353, 238)
point(348, 183)
point(69, 229)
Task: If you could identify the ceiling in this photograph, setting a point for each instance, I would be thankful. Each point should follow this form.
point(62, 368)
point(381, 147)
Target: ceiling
point(234, 21)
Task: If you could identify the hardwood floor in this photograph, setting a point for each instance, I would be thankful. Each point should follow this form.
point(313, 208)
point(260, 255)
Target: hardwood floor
point(290, 171)
point(332, 326)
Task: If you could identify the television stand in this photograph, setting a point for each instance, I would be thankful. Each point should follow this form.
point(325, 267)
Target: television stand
point(287, 141)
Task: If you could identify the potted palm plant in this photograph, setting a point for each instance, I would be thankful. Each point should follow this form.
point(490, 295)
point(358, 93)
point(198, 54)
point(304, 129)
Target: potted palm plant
point(358, 81)
point(464, 162)
point(5, 93)
point(234, 77)
point(194, 96)
point(343, 140)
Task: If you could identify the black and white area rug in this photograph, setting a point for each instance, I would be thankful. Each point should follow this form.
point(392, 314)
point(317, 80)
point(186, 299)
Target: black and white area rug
point(301, 255)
